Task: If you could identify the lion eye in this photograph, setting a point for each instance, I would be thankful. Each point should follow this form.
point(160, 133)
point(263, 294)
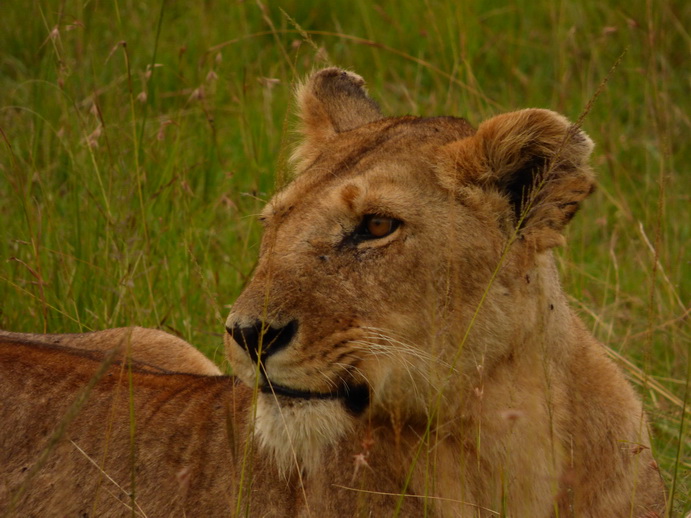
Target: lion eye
point(375, 227)
point(379, 227)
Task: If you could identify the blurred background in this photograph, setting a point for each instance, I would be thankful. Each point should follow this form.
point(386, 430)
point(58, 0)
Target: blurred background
point(138, 139)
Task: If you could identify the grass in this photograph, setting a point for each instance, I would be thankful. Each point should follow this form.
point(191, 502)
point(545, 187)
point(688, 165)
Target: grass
point(140, 138)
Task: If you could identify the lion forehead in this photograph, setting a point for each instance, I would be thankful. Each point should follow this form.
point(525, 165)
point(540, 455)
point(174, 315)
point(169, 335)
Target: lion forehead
point(389, 184)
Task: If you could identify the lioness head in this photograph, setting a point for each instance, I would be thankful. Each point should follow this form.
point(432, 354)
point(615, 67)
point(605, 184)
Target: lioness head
point(407, 256)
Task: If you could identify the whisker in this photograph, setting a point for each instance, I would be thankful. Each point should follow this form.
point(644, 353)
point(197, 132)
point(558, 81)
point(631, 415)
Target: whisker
point(405, 347)
point(377, 350)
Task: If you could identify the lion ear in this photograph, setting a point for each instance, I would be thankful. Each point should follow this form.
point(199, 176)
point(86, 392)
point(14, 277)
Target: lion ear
point(330, 102)
point(536, 160)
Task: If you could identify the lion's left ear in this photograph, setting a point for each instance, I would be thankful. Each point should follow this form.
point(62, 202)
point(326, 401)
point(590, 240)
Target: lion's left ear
point(536, 160)
point(330, 102)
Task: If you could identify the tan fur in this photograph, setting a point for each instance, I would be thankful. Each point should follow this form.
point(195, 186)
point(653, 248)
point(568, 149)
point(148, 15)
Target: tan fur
point(151, 347)
point(437, 370)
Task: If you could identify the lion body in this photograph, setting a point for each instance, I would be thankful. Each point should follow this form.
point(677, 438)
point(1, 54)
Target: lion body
point(180, 422)
point(148, 347)
point(430, 368)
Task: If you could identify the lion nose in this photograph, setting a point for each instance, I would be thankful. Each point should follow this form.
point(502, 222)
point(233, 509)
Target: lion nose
point(261, 340)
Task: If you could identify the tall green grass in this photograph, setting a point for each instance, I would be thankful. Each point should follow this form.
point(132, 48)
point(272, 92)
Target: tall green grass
point(140, 138)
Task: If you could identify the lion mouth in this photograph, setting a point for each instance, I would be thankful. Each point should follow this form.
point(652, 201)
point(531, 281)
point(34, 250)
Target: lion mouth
point(355, 398)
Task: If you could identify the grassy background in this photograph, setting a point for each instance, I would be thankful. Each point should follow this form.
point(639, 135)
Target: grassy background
point(139, 139)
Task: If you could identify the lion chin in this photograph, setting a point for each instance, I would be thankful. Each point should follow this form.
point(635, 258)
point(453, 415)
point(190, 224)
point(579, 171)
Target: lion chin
point(296, 432)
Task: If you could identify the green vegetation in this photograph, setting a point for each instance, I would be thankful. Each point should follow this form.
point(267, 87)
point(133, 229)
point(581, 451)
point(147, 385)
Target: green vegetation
point(139, 138)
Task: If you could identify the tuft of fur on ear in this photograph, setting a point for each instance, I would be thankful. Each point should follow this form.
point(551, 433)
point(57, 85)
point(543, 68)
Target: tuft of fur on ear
point(330, 102)
point(538, 161)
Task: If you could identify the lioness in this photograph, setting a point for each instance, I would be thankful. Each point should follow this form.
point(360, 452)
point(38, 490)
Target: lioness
point(403, 348)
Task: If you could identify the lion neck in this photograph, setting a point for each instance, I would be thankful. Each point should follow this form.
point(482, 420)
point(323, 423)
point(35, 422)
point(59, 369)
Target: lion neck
point(509, 382)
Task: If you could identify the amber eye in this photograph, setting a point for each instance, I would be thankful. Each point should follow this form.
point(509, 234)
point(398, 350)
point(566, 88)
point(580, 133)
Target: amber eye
point(379, 226)
point(374, 226)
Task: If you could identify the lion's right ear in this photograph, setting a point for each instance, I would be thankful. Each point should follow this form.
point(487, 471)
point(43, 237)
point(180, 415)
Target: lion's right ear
point(330, 102)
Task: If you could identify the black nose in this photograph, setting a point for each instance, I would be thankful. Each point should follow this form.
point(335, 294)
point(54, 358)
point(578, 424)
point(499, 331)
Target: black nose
point(261, 340)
